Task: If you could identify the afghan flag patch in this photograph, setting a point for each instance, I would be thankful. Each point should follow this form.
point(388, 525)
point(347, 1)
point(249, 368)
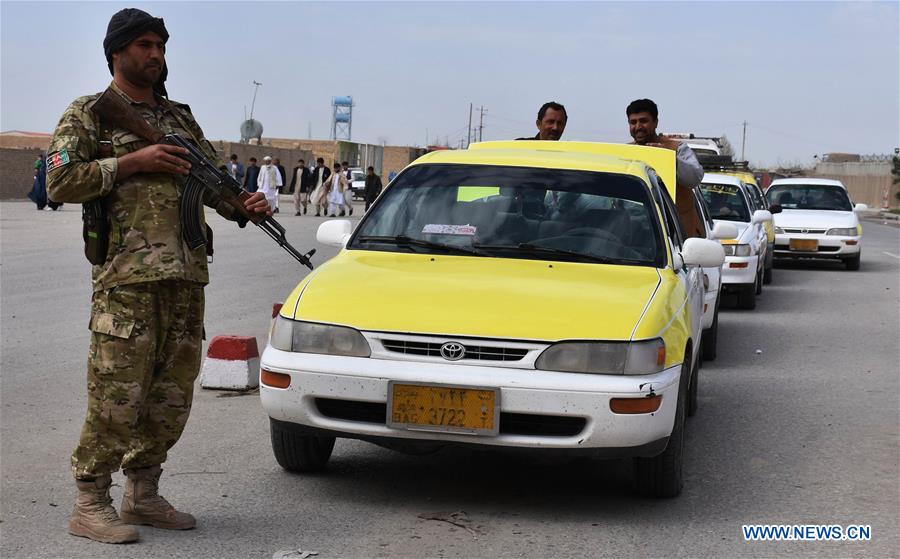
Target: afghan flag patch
point(57, 160)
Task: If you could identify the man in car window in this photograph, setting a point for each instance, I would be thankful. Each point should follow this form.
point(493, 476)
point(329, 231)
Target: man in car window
point(643, 118)
point(551, 122)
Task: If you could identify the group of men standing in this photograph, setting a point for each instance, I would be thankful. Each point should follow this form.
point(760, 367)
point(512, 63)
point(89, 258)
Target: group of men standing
point(327, 191)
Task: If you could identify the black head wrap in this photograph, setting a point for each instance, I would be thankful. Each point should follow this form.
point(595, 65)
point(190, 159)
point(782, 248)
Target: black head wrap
point(127, 25)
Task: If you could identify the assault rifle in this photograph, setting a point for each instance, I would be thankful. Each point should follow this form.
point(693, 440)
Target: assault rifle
point(114, 110)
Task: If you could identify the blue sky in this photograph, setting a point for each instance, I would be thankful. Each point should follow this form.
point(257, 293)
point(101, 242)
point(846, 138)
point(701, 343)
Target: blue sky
point(808, 77)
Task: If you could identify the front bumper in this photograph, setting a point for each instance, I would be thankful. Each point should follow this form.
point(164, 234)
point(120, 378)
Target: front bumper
point(739, 270)
point(828, 246)
point(347, 397)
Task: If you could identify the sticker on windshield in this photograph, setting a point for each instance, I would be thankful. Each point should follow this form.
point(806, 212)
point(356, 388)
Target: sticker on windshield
point(437, 229)
point(720, 189)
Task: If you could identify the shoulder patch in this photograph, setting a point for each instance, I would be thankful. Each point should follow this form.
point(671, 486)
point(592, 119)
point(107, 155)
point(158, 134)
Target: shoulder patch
point(57, 159)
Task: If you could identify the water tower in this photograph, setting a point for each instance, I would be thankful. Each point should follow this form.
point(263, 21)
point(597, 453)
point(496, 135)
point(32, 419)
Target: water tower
point(341, 117)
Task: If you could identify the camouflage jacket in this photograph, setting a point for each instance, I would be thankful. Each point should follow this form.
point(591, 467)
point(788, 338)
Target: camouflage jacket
point(145, 229)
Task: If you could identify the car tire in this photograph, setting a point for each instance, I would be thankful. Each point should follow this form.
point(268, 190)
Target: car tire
point(662, 476)
point(710, 339)
point(746, 297)
point(693, 397)
point(760, 275)
point(767, 274)
point(852, 263)
point(299, 452)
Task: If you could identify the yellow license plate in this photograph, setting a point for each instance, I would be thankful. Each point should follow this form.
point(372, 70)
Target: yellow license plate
point(804, 244)
point(433, 407)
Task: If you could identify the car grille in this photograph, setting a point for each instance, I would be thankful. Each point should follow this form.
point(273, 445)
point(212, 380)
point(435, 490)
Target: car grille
point(473, 352)
point(510, 423)
point(805, 231)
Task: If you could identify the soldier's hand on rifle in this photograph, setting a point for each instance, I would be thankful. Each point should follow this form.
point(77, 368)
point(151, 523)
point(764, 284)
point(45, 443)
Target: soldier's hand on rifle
point(257, 203)
point(158, 158)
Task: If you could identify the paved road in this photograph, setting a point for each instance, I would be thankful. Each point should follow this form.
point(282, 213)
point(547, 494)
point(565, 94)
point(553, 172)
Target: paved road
point(804, 432)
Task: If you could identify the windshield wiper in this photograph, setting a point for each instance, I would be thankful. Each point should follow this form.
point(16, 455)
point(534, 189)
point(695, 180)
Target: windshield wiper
point(403, 240)
point(529, 248)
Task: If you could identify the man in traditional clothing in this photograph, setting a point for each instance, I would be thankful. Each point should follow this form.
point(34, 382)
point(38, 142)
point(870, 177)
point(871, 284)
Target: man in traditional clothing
point(319, 186)
point(336, 187)
point(300, 185)
point(269, 182)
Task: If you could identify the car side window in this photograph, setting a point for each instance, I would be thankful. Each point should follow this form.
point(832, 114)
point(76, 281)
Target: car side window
point(672, 221)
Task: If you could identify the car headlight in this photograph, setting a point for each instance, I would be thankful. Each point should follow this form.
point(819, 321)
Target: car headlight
point(311, 337)
point(737, 250)
point(843, 231)
point(779, 230)
point(605, 358)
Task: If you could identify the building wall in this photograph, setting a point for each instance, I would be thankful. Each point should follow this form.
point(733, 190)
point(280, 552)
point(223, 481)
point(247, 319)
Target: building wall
point(30, 142)
point(868, 182)
point(17, 172)
point(398, 157)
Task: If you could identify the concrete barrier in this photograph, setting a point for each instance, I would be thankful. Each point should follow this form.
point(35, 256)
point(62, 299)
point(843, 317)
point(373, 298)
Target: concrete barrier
point(232, 363)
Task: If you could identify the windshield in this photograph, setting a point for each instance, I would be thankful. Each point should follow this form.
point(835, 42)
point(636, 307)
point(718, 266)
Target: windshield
point(810, 197)
point(725, 201)
point(357, 176)
point(515, 212)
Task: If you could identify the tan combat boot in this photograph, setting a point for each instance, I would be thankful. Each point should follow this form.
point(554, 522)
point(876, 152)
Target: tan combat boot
point(142, 503)
point(94, 516)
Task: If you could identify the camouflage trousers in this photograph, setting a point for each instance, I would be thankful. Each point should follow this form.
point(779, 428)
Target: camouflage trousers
point(146, 341)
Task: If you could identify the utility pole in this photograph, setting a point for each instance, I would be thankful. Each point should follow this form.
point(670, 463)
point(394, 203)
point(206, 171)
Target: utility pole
point(481, 123)
point(426, 137)
point(743, 141)
point(309, 130)
point(469, 132)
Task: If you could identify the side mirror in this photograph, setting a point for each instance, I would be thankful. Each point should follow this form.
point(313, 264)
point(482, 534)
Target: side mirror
point(702, 252)
point(860, 208)
point(760, 216)
point(334, 232)
point(775, 209)
point(723, 230)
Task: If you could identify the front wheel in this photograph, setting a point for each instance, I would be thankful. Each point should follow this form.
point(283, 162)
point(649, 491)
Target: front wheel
point(662, 476)
point(852, 263)
point(298, 452)
point(767, 274)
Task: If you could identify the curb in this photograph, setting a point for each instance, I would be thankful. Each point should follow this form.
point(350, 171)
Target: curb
point(232, 363)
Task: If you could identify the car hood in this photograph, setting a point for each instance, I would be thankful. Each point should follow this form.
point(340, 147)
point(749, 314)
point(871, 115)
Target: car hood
point(475, 296)
point(821, 219)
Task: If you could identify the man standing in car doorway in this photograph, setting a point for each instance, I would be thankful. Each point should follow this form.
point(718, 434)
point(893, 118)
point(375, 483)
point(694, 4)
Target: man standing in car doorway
point(643, 118)
point(551, 122)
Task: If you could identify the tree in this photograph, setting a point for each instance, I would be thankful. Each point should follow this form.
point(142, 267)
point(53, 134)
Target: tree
point(725, 146)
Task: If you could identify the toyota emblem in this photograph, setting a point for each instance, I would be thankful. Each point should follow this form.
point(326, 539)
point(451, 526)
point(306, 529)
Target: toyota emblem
point(453, 351)
point(804, 231)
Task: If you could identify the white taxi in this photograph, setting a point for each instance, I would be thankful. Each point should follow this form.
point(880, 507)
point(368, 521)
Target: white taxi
point(745, 255)
point(817, 220)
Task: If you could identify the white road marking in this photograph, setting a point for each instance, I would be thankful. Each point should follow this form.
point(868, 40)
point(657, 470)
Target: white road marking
point(890, 254)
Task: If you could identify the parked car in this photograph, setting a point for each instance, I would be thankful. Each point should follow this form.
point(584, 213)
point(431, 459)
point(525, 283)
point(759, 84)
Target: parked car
point(817, 220)
point(745, 256)
point(358, 183)
point(543, 298)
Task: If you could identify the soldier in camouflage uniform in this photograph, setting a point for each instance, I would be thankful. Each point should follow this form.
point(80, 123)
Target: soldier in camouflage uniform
point(147, 308)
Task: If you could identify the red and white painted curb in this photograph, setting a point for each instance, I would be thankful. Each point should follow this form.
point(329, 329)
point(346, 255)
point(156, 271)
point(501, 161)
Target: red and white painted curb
point(232, 363)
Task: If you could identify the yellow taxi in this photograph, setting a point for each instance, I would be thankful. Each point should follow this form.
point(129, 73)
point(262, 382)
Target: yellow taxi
point(518, 294)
